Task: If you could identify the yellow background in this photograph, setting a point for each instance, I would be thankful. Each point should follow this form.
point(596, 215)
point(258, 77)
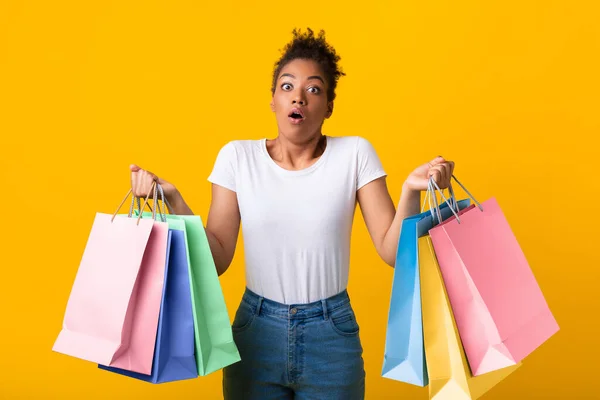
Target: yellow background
point(509, 90)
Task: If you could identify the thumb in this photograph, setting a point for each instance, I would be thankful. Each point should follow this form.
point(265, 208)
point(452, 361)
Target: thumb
point(432, 163)
point(437, 160)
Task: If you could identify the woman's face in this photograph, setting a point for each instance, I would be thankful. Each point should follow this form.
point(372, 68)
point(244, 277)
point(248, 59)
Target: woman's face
point(300, 100)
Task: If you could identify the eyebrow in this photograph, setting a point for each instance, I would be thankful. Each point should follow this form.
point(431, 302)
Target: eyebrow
point(309, 78)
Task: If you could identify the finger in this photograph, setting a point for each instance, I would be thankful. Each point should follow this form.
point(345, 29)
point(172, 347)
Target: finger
point(150, 178)
point(436, 174)
point(443, 176)
point(450, 171)
point(440, 176)
point(141, 183)
point(436, 161)
point(136, 183)
point(136, 168)
point(446, 174)
point(146, 173)
point(433, 171)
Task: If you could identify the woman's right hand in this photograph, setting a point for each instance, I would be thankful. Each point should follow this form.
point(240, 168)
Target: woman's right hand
point(141, 183)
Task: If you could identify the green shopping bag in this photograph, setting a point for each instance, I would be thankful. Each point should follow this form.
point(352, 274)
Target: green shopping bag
point(215, 348)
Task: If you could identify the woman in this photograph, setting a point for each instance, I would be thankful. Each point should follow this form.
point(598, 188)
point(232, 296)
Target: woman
point(296, 196)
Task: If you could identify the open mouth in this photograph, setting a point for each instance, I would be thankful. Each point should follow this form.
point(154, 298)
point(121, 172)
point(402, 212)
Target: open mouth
point(296, 116)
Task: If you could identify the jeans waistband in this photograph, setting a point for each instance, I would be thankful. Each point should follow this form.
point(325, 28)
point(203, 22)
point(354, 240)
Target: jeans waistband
point(296, 311)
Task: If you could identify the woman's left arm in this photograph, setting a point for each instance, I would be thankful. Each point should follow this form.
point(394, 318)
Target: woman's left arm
point(383, 220)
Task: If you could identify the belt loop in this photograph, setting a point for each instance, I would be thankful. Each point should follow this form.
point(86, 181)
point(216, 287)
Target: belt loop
point(259, 305)
point(324, 304)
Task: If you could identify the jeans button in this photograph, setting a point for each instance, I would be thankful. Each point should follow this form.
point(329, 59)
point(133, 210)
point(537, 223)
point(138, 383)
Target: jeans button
point(294, 311)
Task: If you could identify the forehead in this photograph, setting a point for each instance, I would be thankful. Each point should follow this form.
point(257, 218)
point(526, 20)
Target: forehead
point(302, 68)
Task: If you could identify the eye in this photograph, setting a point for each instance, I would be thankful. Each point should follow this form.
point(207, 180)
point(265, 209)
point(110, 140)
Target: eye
point(314, 89)
point(286, 86)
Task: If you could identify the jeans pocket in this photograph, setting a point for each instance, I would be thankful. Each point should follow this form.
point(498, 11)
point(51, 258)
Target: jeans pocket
point(244, 317)
point(345, 324)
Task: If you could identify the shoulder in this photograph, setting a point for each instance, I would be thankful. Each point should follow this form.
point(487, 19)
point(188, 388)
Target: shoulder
point(235, 149)
point(355, 144)
point(243, 144)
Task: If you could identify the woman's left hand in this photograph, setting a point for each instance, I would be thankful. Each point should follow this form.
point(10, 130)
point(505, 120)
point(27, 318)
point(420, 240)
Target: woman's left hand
point(439, 168)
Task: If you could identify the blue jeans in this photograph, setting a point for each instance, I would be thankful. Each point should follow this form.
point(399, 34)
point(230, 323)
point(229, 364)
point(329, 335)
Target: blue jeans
point(307, 351)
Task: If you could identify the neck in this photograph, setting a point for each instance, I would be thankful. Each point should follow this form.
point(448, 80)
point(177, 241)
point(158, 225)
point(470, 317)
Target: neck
point(296, 155)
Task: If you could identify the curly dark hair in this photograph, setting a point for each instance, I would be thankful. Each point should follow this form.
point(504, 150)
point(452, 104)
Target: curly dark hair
point(308, 47)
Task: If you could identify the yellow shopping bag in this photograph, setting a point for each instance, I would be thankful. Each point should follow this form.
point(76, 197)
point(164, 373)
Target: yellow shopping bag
point(449, 373)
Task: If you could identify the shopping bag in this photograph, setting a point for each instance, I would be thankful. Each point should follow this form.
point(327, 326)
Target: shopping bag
point(449, 374)
point(215, 348)
point(500, 311)
point(113, 308)
point(404, 358)
point(174, 357)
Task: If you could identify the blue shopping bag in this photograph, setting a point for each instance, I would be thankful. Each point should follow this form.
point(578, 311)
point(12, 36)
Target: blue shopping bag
point(174, 356)
point(404, 358)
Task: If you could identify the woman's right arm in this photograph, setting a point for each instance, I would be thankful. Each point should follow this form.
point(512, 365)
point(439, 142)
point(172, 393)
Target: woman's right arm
point(223, 223)
point(223, 226)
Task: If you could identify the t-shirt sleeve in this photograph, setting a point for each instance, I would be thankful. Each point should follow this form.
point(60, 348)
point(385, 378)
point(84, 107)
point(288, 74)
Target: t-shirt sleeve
point(369, 164)
point(225, 167)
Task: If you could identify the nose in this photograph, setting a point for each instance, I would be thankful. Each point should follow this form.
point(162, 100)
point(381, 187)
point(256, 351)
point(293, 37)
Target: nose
point(298, 98)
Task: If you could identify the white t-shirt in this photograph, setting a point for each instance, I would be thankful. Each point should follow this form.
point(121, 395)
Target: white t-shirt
point(296, 225)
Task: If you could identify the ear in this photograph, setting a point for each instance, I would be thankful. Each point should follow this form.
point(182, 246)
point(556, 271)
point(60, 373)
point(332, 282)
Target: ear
point(272, 105)
point(329, 109)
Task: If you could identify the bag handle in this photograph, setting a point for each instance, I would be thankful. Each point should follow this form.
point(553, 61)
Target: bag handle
point(435, 208)
point(152, 188)
point(467, 192)
point(432, 184)
point(162, 212)
point(430, 191)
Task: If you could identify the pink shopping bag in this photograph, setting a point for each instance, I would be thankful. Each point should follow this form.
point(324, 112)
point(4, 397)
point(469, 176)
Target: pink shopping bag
point(500, 311)
point(112, 313)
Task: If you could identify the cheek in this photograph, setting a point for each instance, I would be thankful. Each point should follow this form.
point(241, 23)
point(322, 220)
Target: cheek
point(279, 103)
point(322, 108)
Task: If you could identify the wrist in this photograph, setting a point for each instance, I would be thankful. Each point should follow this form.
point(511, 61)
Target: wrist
point(409, 189)
point(410, 199)
point(171, 193)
